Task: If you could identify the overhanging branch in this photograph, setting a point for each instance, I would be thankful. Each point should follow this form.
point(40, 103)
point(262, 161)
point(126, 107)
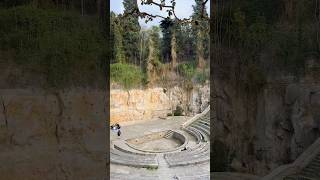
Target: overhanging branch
point(170, 10)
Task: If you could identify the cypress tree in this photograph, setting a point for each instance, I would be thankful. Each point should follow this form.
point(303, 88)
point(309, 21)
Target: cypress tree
point(166, 28)
point(131, 33)
point(117, 40)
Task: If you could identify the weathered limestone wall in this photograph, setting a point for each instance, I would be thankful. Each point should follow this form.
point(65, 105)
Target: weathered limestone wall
point(52, 135)
point(271, 126)
point(138, 104)
point(154, 102)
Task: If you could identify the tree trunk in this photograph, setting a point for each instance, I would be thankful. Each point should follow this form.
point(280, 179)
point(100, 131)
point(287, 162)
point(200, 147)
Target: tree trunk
point(200, 51)
point(174, 50)
point(149, 61)
point(128, 100)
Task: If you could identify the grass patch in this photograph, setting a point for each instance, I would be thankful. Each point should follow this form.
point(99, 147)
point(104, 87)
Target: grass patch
point(128, 76)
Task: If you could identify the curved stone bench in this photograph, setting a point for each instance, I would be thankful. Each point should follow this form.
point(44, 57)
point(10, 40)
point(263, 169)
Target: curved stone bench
point(203, 136)
point(310, 172)
point(198, 177)
point(204, 122)
point(135, 160)
point(170, 134)
point(201, 128)
point(195, 134)
point(301, 167)
point(198, 155)
point(191, 161)
point(120, 176)
point(196, 150)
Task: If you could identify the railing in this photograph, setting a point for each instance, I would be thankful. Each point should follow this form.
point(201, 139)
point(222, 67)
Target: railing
point(301, 162)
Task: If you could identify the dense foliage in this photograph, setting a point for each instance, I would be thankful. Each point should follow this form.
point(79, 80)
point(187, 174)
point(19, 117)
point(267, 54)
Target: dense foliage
point(166, 48)
point(62, 46)
point(129, 76)
point(269, 34)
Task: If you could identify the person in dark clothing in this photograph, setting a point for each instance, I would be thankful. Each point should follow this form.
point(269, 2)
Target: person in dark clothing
point(116, 128)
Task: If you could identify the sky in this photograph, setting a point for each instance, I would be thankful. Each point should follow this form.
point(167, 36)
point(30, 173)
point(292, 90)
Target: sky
point(183, 10)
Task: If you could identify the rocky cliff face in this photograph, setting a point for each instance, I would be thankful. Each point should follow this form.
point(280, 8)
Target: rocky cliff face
point(52, 135)
point(268, 127)
point(146, 104)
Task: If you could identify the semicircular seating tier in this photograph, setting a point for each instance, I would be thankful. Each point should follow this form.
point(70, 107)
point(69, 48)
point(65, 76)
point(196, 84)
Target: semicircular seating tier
point(305, 167)
point(196, 153)
point(120, 176)
point(200, 153)
point(309, 172)
point(127, 158)
point(200, 127)
point(192, 175)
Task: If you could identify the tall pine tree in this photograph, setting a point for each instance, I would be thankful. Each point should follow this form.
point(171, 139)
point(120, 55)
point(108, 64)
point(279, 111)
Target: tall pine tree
point(131, 34)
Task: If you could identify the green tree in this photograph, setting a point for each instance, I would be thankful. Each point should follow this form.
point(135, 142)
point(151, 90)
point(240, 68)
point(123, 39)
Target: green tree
point(166, 28)
point(185, 42)
point(169, 28)
point(132, 28)
point(117, 39)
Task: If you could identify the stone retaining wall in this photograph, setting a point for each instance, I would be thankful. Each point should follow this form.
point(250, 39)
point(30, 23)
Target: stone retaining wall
point(139, 105)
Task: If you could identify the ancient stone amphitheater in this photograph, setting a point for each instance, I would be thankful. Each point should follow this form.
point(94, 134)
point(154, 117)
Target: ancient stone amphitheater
point(176, 148)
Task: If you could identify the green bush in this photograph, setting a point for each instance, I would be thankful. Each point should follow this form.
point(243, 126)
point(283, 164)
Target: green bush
point(63, 46)
point(128, 76)
point(187, 70)
point(178, 111)
point(201, 76)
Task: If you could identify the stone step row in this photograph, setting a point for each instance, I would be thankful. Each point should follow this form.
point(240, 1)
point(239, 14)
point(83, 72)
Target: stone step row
point(120, 176)
point(196, 150)
point(186, 157)
point(137, 159)
point(203, 136)
point(133, 162)
point(132, 155)
point(201, 128)
point(199, 177)
point(129, 159)
point(206, 117)
point(196, 156)
point(195, 134)
point(203, 122)
point(310, 172)
point(168, 134)
point(191, 161)
point(132, 152)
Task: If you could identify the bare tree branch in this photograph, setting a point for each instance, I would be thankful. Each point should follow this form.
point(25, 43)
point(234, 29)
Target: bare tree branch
point(170, 10)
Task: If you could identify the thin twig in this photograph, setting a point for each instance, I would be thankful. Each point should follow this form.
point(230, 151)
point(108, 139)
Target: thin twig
point(171, 11)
